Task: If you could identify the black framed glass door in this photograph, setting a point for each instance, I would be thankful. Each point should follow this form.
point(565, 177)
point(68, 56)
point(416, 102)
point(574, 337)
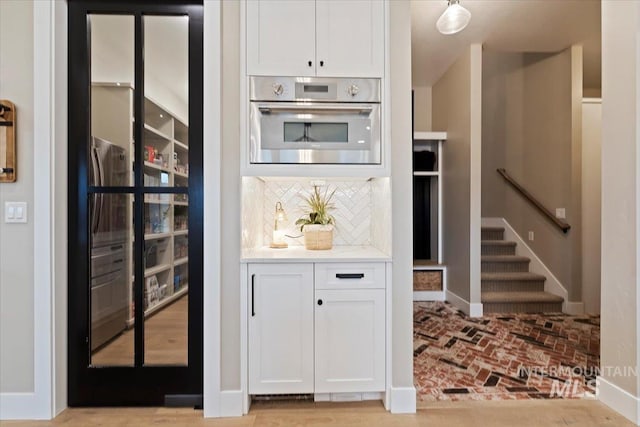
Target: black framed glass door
point(135, 202)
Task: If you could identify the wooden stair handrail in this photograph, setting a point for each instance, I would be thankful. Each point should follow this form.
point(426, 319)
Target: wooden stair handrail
point(562, 225)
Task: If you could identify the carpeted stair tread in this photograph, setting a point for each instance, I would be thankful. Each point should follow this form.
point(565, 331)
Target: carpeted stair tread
point(511, 276)
point(492, 229)
point(497, 243)
point(520, 297)
point(504, 258)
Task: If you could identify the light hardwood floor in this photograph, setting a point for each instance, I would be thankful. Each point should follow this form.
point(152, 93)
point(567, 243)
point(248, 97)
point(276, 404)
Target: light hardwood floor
point(529, 413)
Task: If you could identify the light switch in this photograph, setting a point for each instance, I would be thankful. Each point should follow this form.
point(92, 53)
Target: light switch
point(15, 212)
point(561, 213)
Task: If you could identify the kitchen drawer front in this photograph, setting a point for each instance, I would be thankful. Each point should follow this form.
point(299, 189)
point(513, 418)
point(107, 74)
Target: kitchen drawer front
point(369, 275)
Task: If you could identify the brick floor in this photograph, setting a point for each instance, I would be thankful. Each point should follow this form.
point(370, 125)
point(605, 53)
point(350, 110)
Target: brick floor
point(503, 356)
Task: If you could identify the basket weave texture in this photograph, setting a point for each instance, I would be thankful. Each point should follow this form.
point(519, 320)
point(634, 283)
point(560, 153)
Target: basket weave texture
point(318, 239)
point(427, 280)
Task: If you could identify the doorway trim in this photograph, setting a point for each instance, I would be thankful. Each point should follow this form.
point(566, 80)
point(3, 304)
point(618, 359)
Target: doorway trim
point(38, 404)
point(50, 200)
point(211, 153)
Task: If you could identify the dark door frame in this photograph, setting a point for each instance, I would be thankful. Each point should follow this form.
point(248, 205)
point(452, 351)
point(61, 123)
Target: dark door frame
point(138, 384)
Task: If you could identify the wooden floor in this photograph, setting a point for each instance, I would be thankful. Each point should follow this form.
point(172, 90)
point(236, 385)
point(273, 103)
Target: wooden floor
point(165, 345)
point(165, 340)
point(547, 413)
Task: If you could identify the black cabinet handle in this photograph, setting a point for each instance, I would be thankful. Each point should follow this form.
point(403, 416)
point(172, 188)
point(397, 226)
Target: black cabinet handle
point(322, 63)
point(319, 302)
point(349, 275)
point(310, 63)
point(253, 307)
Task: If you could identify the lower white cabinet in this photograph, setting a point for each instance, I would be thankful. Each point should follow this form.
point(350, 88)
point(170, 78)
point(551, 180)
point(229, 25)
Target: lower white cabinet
point(316, 328)
point(350, 341)
point(280, 310)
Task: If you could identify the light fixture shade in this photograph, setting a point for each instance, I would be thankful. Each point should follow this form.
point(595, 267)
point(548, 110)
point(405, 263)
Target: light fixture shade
point(454, 19)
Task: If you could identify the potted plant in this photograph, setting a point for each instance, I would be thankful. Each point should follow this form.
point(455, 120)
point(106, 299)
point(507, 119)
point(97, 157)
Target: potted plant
point(317, 224)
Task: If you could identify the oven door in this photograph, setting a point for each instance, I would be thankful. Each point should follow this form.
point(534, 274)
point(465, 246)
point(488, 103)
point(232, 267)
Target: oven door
point(302, 133)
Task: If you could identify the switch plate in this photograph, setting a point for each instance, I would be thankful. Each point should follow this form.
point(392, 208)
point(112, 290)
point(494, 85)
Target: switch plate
point(15, 212)
point(560, 213)
point(531, 236)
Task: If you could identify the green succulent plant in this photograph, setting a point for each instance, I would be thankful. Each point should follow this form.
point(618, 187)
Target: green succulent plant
point(319, 206)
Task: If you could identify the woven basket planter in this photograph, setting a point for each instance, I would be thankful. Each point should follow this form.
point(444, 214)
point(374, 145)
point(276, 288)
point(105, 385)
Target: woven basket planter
point(318, 237)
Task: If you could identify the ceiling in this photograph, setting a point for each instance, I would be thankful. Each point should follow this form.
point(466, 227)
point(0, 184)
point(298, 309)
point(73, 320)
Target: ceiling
point(507, 26)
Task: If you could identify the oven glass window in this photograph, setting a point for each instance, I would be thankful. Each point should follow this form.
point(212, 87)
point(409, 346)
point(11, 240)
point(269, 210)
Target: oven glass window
point(316, 132)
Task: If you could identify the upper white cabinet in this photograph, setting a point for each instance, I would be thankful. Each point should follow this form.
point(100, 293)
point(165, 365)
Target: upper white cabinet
point(350, 38)
point(315, 38)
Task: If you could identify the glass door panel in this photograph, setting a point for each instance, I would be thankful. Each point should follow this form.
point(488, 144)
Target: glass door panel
point(166, 281)
point(166, 164)
point(111, 295)
point(166, 101)
point(111, 146)
point(110, 153)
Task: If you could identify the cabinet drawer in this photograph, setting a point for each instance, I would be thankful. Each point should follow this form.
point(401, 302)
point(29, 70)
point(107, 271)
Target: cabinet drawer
point(350, 275)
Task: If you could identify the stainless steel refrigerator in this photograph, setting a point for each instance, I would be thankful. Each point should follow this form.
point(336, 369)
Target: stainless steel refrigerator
point(110, 242)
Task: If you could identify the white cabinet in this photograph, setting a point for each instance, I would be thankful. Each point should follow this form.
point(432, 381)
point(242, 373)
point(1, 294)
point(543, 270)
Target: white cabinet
point(280, 310)
point(316, 328)
point(350, 340)
point(349, 327)
point(350, 38)
point(315, 38)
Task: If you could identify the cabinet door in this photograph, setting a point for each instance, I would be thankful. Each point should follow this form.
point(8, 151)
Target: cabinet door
point(350, 341)
point(281, 38)
point(350, 38)
point(280, 328)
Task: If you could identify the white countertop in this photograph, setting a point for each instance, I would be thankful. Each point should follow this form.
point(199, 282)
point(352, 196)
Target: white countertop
point(300, 254)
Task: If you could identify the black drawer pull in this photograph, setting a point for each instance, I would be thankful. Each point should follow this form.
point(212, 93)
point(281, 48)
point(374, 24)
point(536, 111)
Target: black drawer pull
point(253, 307)
point(349, 275)
point(319, 302)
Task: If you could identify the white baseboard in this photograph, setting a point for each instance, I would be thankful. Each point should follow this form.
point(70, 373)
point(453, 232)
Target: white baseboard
point(575, 308)
point(470, 309)
point(21, 406)
point(619, 400)
point(403, 400)
point(552, 284)
point(429, 295)
point(231, 403)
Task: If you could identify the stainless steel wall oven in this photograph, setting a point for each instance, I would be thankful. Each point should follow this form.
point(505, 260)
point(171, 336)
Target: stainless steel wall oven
point(306, 120)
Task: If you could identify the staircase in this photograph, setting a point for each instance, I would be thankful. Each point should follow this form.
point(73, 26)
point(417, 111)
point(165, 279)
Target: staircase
point(507, 284)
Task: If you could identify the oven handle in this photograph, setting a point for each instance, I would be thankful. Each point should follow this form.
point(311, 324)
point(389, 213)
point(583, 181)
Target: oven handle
point(299, 108)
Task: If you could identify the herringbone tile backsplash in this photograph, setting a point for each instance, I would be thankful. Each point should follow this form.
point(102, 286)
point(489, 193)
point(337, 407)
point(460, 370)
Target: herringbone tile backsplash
point(352, 201)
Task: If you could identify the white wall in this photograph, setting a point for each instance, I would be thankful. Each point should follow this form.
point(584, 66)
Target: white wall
point(16, 244)
point(457, 110)
point(591, 207)
point(620, 295)
point(422, 109)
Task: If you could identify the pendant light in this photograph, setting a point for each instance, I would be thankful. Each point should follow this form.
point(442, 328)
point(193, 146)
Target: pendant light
point(454, 19)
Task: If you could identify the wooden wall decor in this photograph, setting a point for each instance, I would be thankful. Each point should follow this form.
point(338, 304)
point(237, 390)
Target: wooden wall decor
point(8, 161)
